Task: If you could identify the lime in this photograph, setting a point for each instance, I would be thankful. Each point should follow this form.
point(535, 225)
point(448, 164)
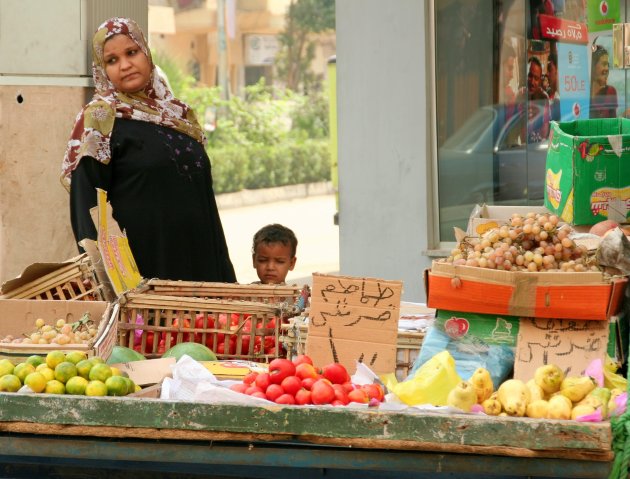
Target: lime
point(36, 381)
point(97, 359)
point(6, 367)
point(64, 371)
point(100, 372)
point(55, 387)
point(96, 388)
point(76, 385)
point(116, 386)
point(10, 383)
point(35, 360)
point(22, 370)
point(83, 368)
point(75, 357)
point(55, 357)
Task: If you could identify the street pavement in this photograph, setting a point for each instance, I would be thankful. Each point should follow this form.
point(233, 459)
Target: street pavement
point(310, 218)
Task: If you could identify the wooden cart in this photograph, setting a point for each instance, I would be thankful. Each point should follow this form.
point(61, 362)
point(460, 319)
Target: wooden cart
point(139, 437)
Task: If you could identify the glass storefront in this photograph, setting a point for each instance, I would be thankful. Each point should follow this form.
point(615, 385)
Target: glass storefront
point(503, 70)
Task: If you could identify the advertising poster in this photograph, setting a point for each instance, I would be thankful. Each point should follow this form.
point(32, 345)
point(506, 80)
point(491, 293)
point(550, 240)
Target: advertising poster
point(602, 14)
point(573, 81)
point(607, 84)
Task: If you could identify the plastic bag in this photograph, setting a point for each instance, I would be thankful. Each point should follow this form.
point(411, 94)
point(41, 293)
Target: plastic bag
point(430, 384)
point(469, 352)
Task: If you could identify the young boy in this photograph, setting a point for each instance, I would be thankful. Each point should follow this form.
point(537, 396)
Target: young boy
point(273, 253)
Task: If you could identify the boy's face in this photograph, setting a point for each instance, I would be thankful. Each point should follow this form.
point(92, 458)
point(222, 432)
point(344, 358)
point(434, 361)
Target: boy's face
point(273, 262)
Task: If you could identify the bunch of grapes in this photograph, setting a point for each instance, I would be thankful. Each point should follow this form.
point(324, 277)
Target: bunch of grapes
point(61, 333)
point(534, 242)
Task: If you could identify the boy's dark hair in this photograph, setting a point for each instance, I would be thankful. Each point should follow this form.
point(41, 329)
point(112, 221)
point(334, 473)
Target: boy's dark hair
point(275, 233)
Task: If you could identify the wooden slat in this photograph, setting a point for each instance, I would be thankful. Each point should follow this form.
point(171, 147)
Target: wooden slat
point(323, 425)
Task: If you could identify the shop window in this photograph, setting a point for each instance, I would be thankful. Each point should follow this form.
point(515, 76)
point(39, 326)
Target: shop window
point(504, 69)
point(254, 73)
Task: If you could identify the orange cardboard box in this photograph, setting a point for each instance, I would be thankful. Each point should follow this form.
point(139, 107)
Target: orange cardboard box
point(586, 295)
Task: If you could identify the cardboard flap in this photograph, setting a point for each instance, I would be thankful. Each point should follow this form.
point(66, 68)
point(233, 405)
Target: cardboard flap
point(35, 271)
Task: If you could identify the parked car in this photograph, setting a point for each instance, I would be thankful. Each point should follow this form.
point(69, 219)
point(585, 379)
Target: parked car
point(487, 161)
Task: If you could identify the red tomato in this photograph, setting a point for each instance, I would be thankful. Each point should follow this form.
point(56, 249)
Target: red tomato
point(303, 396)
point(322, 392)
point(341, 394)
point(374, 391)
point(239, 387)
point(259, 394)
point(274, 391)
point(177, 324)
point(285, 399)
point(279, 369)
point(263, 381)
point(307, 383)
point(335, 373)
point(358, 395)
point(199, 324)
point(302, 358)
point(250, 377)
point(305, 370)
point(254, 389)
point(291, 385)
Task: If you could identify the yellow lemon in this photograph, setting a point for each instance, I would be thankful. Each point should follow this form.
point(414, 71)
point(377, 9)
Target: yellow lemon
point(83, 368)
point(138, 388)
point(55, 387)
point(116, 386)
point(96, 388)
point(48, 373)
point(76, 357)
point(22, 370)
point(36, 381)
point(10, 383)
point(64, 371)
point(100, 372)
point(76, 385)
point(116, 371)
point(35, 360)
point(6, 367)
point(55, 357)
point(97, 359)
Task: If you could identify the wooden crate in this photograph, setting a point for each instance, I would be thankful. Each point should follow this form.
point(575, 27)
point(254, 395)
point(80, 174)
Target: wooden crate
point(75, 279)
point(293, 337)
point(151, 323)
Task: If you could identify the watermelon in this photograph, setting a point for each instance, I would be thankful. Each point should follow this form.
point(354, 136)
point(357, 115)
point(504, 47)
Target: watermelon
point(121, 354)
point(197, 351)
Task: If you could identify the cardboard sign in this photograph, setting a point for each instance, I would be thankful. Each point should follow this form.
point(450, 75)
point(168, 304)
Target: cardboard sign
point(567, 343)
point(119, 263)
point(151, 371)
point(354, 319)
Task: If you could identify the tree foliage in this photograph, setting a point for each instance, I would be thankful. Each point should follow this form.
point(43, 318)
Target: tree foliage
point(303, 19)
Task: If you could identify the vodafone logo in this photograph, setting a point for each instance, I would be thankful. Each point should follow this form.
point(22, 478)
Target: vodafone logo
point(603, 7)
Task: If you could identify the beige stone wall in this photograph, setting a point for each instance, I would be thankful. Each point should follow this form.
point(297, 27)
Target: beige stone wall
point(35, 123)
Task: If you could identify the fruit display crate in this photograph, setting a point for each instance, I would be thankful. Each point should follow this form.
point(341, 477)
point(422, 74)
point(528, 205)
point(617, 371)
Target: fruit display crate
point(151, 324)
point(290, 297)
point(18, 316)
point(75, 279)
point(294, 334)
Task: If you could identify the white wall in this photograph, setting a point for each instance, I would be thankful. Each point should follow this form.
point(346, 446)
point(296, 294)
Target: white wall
point(384, 176)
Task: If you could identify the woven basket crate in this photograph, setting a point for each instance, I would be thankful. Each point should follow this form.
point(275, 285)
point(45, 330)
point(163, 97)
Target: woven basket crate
point(292, 299)
point(232, 329)
point(75, 279)
point(293, 338)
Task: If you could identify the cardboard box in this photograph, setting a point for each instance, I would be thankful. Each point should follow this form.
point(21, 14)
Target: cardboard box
point(486, 217)
point(585, 295)
point(17, 317)
point(588, 170)
point(572, 345)
point(148, 372)
point(354, 319)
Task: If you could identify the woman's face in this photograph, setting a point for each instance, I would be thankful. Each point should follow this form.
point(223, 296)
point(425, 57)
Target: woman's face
point(126, 65)
point(601, 70)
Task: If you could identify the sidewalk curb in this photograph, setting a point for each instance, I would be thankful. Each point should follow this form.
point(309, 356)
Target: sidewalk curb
point(269, 195)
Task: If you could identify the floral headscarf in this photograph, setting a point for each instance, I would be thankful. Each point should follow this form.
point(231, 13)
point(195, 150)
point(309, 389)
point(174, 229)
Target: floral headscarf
point(155, 104)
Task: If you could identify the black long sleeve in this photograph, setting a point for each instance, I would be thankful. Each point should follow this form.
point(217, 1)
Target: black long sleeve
point(89, 175)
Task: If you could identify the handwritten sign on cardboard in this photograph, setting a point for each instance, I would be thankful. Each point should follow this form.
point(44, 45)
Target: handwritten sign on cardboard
point(567, 343)
point(354, 319)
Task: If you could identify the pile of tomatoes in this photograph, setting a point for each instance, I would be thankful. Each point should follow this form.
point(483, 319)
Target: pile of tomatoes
point(221, 336)
point(300, 382)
